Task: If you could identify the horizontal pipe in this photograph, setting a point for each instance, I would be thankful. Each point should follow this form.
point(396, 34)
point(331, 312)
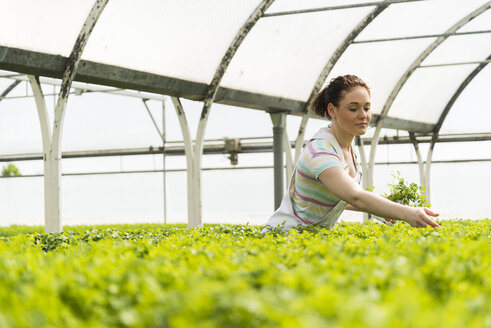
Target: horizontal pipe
point(258, 167)
point(456, 64)
point(355, 5)
point(247, 148)
point(421, 36)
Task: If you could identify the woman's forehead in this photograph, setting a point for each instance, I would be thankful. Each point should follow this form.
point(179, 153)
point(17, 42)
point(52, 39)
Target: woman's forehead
point(356, 94)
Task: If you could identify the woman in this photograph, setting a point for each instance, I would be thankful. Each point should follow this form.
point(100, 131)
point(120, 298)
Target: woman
point(327, 178)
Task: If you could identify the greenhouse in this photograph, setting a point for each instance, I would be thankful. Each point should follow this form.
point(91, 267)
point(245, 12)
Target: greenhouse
point(195, 111)
point(145, 145)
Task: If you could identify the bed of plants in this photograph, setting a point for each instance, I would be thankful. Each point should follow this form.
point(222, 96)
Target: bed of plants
point(354, 275)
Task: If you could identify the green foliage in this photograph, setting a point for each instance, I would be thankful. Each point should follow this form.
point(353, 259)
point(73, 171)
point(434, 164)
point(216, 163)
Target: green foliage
point(10, 171)
point(354, 275)
point(406, 193)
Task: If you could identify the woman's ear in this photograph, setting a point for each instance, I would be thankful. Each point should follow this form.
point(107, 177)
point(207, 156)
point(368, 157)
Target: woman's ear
point(331, 109)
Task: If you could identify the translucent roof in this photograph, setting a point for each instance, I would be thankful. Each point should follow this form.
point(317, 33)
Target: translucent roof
point(284, 55)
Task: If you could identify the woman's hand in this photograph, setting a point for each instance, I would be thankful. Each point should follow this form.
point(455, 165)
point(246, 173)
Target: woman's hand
point(420, 217)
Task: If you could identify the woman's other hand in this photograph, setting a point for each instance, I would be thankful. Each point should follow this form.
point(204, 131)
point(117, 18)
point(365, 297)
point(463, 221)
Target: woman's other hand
point(420, 217)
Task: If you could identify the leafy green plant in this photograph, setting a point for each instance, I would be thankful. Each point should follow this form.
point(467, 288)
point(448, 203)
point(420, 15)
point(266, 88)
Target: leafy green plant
point(10, 171)
point(234, 276)
point(406, 193)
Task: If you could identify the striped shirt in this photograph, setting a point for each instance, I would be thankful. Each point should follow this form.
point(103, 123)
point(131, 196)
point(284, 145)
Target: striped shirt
point(312, 200)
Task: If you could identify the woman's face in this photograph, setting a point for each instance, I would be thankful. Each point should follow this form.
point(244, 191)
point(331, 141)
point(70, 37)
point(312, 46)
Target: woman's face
point(353, 113)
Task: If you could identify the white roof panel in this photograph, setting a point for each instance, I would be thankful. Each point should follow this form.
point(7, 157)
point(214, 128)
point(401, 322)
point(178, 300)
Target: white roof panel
point(184, 39)
point(283, 56)
point(480, 23)
point(458, 49)
point(418, 18)
point(471, 111)
point(427, 92)
point(44, 26)
point(380, 65)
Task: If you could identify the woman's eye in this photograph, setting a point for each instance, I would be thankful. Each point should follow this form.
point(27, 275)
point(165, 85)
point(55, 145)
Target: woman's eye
point(353, 109)
point(367, 109)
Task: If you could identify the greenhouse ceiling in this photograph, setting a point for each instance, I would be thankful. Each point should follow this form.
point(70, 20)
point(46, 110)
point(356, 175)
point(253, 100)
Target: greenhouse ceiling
point(416, 55)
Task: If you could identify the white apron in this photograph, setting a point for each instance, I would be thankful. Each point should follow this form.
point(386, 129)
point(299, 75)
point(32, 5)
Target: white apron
point(284, 217)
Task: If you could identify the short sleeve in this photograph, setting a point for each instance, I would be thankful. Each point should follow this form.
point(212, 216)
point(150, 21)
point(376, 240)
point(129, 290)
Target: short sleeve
point(321, 155)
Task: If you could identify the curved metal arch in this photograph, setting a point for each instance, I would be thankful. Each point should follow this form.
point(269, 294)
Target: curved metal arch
point(195, 218)
point(71, 68)
point(407, 75)
point(9, 89)
point(46, 141)
point(442, 118)
point(52, 176)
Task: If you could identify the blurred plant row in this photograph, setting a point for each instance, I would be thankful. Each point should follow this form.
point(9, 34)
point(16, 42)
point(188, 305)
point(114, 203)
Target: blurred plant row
point(354, 275)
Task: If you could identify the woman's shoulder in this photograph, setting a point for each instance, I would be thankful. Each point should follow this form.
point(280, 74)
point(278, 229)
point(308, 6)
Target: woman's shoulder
point(321, 146)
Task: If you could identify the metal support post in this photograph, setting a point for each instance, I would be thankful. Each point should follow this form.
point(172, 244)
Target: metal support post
point(427, 174)
point(46, 138)
point(288, 156)
point(278, 132)
point(52, 143)
point(373, 148)
point(162, 136)
point(188, 150)
point(428, 165)
point(198, 153)
point(364, 171)
point(300, 138)
point(422, 179)
point(164, 181)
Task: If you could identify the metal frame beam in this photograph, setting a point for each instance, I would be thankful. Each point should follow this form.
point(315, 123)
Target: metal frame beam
point(356, 5)
point(217, 147)
point(8, 90)
point(364, 167)
point(279, 122)
point(421, 167)
point(287, 148)
point(300, 137)
point(421, 36)
point(162, 137)
point(52, 138)
point(258, 167)
point(457, 64)
point(48, 65)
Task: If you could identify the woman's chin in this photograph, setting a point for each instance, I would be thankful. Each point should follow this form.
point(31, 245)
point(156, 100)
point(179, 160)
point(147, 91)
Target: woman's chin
point(360, 132)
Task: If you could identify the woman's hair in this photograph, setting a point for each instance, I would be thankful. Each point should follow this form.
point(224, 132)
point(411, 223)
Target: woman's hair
point(334, 92)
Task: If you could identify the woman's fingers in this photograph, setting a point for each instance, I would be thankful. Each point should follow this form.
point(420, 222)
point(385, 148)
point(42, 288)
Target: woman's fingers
point(430, 212)
point(431, 223)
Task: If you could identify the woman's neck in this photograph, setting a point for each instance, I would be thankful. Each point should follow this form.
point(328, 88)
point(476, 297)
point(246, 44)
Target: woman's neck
point(345, 140)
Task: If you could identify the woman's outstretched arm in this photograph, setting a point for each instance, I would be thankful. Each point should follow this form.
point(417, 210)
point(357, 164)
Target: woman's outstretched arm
point(345, 188)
